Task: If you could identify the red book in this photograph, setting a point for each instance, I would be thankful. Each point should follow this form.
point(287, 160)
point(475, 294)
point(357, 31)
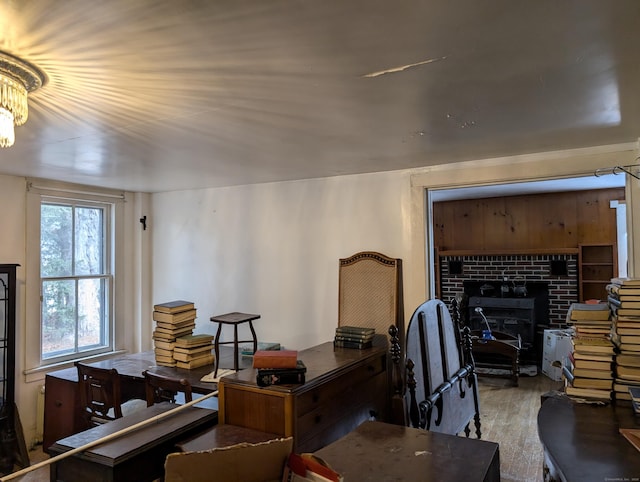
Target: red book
point(275, 359)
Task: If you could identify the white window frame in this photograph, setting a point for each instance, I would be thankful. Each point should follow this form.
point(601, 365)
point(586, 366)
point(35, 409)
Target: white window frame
point(37, 192)
point(107, 273)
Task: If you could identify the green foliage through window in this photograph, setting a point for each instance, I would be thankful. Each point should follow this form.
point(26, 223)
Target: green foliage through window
point(75, 278)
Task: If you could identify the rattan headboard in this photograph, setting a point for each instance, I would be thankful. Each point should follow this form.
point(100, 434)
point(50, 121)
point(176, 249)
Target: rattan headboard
point(370, 292)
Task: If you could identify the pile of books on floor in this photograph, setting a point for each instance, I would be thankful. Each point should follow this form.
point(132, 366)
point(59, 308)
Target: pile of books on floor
point(173, 319)
point(278, 367)
point(193, 351)
point(588, 371)
point(354, 337)
point(624, 299)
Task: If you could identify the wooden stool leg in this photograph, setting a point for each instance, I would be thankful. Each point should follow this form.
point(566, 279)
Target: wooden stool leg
point(216, 347)
point(235, 347)
point(255, 338)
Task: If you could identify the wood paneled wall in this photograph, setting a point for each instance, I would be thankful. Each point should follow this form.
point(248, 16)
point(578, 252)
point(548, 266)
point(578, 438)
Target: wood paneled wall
point(528, 223)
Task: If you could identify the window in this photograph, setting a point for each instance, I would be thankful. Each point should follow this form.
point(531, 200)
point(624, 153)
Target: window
point(76, 278)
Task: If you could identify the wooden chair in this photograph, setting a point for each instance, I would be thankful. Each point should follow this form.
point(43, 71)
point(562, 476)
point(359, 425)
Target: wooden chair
point(161, 388)
point(100, 395)
point(370, 292)
point(440, 375)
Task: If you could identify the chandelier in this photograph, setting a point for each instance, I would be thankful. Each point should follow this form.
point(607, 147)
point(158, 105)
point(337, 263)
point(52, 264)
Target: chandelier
point(17, 79)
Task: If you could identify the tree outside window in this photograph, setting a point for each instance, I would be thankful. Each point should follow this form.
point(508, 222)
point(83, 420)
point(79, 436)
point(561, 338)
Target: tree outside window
point(75, 278)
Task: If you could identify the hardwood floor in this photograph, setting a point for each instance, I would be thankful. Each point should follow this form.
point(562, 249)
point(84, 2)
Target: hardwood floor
point(508, 416)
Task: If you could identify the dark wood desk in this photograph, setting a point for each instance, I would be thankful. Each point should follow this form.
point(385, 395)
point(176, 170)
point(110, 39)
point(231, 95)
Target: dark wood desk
point(378, 451)
point(137, 456)
point(582, 443)
point(224, 436)
point(62, 412)
point(343, 388)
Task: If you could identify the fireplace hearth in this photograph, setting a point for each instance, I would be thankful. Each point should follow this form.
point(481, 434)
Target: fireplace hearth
point(508, 313)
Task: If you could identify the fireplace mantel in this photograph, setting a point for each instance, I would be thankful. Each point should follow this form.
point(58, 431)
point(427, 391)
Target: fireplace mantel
point(507, 252)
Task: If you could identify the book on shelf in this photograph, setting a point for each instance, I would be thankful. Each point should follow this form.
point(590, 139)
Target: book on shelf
point(178, 327)
point(358, 345)
point(590, 373)
point(621, 281)
point(635, 331)
point(592, 331)
point(592, 345)
point(628, 321)
point(589, 393)
point(175, 306)
point(189, 350)
point(621, 390)
point(164, 345)
point(196, 363)
point(163, 336)
point(631, 339)
point(275, 359)
point(354, 338)
point(186, 357)
point(178, 332)
point(583, 364)
point(593, 356)
point(597, 383)
point(628, 312)
point(281, 376)
point(166, 361)
point(628, 360)
point(173, 318)
point(628, 373)
point(629, 304)
point(632, 294)
point(160, 352)
point(355, 330)
point(589, 311)
point(628, 348)
point(193, 340)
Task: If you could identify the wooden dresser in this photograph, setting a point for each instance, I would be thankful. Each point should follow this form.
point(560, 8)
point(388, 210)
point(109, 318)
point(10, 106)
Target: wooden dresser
point(344, 387)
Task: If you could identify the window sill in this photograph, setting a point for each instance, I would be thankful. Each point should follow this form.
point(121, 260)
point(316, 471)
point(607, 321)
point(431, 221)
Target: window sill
point(38, 373)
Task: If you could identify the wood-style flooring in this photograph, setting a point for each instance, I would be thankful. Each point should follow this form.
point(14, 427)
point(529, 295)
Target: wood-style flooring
point(508, 417)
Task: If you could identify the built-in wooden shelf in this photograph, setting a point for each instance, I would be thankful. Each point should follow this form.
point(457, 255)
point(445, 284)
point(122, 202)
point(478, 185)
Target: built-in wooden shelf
point(508, 252)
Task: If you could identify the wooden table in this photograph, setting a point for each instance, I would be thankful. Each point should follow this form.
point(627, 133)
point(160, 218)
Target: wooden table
point(62, 411)
point(377, 451)
point(582, 442)
point(343, 388)
point(138, 455)
point(224, 436)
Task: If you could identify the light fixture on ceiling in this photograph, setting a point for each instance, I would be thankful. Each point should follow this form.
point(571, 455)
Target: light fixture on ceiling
point(17, 79)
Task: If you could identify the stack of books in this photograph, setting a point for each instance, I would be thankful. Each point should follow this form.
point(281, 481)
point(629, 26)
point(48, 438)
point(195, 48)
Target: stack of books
point(588, 370)
point(590, 319)
point(354, 337)
point(173, 319)
point(624, 299)
point(278, 367)
point(193, 351)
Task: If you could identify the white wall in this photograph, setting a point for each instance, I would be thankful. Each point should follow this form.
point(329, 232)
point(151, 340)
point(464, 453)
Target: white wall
point(273, 249)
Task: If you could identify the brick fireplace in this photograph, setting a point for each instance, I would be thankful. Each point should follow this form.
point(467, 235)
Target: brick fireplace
point(555, 274)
